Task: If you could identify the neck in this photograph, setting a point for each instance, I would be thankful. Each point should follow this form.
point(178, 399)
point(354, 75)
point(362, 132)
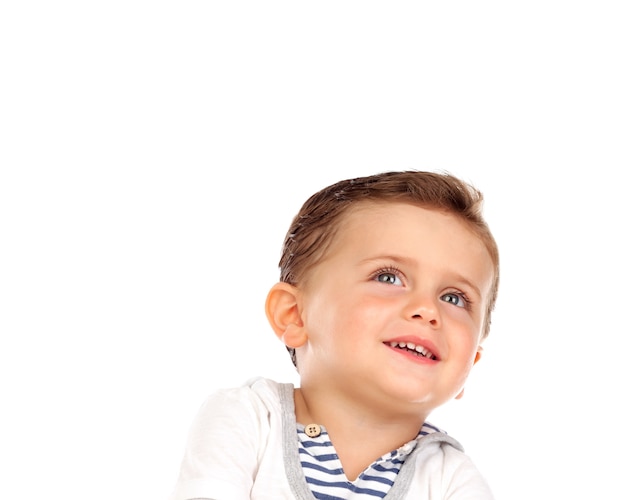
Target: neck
point(359, 434)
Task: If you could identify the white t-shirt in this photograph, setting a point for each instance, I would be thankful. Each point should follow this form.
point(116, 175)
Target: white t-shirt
point(243, 446)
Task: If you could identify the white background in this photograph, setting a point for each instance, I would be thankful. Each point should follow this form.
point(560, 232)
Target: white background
point(152, 155)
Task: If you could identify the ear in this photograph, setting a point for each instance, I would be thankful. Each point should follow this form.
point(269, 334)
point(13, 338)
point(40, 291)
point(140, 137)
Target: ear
point(283, 314)
point(479, 354)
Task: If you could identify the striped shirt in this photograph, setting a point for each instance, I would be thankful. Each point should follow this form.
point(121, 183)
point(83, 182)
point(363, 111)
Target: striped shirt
point(325, 476)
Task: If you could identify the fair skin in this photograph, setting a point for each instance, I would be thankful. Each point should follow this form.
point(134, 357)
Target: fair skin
point(395, 273)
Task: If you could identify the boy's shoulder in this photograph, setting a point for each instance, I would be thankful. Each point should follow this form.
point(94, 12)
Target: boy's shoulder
point(257, 393)
point(264, 388)
point(432, 435)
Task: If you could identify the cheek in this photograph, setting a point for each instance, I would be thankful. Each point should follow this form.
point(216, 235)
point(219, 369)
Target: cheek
point(369, 312)
point(464, 365)
point(324, 314)
point(345, 316)
point(467, 325)
point(464, 343)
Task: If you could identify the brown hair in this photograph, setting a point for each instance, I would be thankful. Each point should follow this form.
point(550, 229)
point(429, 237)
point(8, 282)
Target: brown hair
point(313, 228)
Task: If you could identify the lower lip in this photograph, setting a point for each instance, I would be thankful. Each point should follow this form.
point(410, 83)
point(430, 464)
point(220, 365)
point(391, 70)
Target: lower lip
point(415, 358)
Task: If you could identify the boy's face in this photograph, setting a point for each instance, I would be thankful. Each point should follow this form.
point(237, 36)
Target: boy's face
point(396, 279)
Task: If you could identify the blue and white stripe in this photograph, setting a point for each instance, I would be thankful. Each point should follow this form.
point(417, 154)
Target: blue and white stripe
point(325, 476)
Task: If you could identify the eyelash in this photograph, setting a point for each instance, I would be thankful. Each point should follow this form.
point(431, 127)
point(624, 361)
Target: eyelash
point(388, 270)
point(464, 298)
point(396, 272)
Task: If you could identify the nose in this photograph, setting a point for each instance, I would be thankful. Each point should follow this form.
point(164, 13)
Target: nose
point(428, 316)
point(425, 309)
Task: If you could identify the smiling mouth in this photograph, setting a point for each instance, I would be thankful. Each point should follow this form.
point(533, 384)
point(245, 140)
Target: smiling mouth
point(417, 350)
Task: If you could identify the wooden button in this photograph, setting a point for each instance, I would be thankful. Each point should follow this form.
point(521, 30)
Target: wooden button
point(312, 430)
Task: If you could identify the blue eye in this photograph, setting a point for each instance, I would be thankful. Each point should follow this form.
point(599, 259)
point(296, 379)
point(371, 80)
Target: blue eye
point(389, 278)
point(455, 299)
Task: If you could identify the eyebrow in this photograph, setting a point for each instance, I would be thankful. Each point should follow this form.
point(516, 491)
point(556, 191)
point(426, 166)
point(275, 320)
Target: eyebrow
point(412, 262)
point(465, 281)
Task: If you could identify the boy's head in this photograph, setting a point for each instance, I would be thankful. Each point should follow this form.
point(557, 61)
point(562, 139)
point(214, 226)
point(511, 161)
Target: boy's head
point(319, 219)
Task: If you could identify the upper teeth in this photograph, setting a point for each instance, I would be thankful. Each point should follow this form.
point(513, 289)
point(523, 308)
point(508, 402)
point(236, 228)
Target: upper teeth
point(413, 347)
